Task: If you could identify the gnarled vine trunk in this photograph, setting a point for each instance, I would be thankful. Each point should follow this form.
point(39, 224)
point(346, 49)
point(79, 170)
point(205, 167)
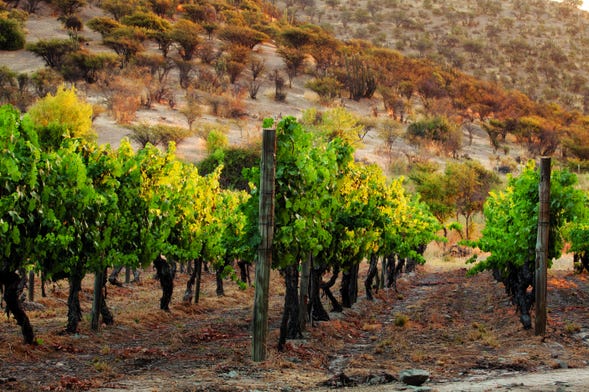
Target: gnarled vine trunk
point(219, 277)
point(74, 312)
point(318, 312)
point(166, 271)
point(349, 288)
point(519, 285)
point(99, 305)
point(372, 273)
point(10, 287)
point(244, 269)
point(394, 266)
point(326, 287)
point(290, 327)
point(189, 292)
point(194, 280)
point(581, 261)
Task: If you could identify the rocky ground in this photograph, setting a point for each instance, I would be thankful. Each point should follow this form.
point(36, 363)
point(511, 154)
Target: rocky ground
point(461, 330)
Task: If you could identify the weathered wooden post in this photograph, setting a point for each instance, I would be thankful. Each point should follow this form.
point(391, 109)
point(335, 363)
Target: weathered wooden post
point(304, 293)
point(542, 246)
point(264, 262)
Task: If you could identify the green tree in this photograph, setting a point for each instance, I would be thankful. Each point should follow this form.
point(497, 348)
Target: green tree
point(12, 37)
point(126, 41)
point(468, 184)
point(146, 20)
point(77, 190)
point(577, 234)
point(242, 35)
point(328, 88)
point(103, 25)
point(334, 123)
point(118, 8)
point(148, 201)
point(197, 232)
point(510, 232)
point(199, 13)
point(69, 7)
point(157, 134)
point(187, 35)
point(53, 51)
point(434, 190)
point(440, 130)
point(19, 203)
point(62, 115)
point(295, 37)
point(304, 180)
point(87, 66)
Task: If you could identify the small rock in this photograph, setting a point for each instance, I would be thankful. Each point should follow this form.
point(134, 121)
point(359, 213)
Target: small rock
point(338, 381)
point(32, 306)
point(230, 374)
point(379, 379)
point(415, 377)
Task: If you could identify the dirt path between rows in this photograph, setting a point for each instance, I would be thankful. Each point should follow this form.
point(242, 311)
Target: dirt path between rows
point(462, 330)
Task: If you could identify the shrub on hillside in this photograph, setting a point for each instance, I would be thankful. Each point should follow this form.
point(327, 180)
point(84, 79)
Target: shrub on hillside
point(146, 20)
point(46, 81)
point(103, 25)
point(12, 36)
point(327, 87)
point(8, 85)
point(216, 140)
point(87, 66)
point(157, 134)
point(54, 50)
point(62, 115)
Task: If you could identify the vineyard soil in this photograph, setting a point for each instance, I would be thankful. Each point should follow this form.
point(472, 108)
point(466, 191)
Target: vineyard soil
point(459, 328)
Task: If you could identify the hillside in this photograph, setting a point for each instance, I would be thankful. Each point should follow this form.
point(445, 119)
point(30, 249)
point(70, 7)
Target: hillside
point(538, 47)
point(215, 86)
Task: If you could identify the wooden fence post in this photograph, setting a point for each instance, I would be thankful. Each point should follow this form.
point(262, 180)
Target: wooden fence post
point(264, 262)
point(97, 299)
point(542, 247)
